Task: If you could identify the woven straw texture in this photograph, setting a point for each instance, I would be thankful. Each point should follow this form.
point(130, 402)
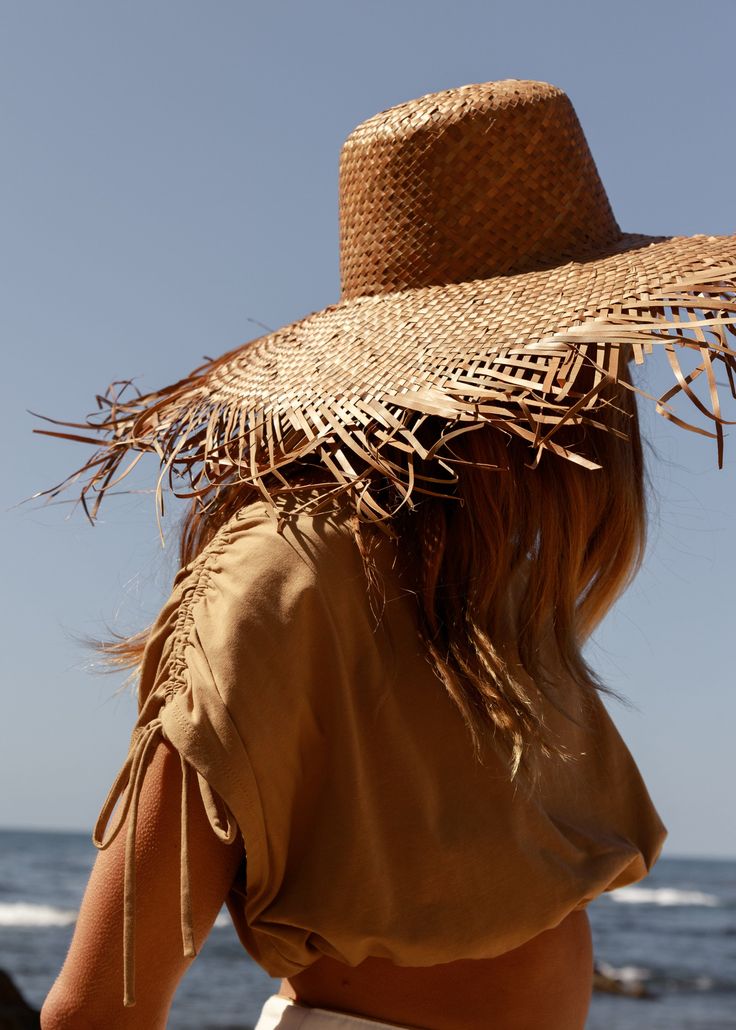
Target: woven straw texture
point(482, 271)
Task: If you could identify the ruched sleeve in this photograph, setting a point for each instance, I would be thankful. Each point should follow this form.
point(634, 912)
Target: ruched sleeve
point(217, 650)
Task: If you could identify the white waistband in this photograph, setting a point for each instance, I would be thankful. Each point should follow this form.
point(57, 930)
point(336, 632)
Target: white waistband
point(279, 1013)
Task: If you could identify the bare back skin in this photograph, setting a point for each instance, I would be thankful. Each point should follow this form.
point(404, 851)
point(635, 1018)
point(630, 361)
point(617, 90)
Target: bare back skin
point(547, 982)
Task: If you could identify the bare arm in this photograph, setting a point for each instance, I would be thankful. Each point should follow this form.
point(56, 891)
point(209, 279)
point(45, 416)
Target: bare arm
point(88, 992)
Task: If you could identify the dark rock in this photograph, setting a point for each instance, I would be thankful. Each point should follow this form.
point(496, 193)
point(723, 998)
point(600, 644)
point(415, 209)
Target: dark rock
point(15, 1012)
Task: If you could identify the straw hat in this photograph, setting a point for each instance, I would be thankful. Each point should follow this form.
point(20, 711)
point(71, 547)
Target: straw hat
point(483, 271)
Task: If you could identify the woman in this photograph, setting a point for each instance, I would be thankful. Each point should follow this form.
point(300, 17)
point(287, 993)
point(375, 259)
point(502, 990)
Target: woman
point(365, 719)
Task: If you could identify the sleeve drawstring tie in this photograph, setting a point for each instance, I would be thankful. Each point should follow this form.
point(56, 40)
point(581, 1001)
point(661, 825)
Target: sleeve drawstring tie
point(130, 781)
point(128, 785)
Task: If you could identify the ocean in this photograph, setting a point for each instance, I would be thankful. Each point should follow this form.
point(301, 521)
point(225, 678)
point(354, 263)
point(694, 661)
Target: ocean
point(673, 934)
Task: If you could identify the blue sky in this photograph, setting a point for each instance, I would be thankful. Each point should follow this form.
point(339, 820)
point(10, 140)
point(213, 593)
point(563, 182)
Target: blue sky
point(170, 184)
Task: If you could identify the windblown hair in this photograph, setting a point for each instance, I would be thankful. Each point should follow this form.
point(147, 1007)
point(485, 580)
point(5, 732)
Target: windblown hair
point(571, 537)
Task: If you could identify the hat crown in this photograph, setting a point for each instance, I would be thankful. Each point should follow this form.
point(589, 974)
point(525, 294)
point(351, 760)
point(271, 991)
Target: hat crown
point(489, 179)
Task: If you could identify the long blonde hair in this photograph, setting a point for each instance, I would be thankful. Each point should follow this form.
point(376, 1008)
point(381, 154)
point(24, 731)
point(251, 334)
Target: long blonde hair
point(577, 533)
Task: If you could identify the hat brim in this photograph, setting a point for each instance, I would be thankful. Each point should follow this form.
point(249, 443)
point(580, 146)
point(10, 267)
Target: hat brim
point(351, 381)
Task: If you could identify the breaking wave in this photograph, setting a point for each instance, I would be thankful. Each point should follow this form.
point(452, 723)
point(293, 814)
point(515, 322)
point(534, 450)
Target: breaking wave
point(662, 896)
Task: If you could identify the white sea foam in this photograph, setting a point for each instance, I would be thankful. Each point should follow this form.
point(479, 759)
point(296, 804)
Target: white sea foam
point(662, 896)
point(624, 974)
point(24, 913)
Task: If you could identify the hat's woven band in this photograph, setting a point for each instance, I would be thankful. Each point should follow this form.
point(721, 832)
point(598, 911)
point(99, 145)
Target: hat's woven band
point(251, 414)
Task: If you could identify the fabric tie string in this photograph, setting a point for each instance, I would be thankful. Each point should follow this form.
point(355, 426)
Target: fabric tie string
point(128, 785)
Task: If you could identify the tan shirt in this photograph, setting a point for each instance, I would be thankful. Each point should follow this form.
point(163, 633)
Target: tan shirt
point(369, 827)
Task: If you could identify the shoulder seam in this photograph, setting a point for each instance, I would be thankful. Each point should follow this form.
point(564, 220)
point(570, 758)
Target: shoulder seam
point(201, 572)
point(201, 576)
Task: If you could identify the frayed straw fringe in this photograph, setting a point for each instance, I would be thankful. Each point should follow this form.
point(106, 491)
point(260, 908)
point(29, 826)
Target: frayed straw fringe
point(207, 434)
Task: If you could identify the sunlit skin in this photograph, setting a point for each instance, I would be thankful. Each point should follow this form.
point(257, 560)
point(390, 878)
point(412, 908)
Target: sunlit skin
point(88, 992)
point(546, 982)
